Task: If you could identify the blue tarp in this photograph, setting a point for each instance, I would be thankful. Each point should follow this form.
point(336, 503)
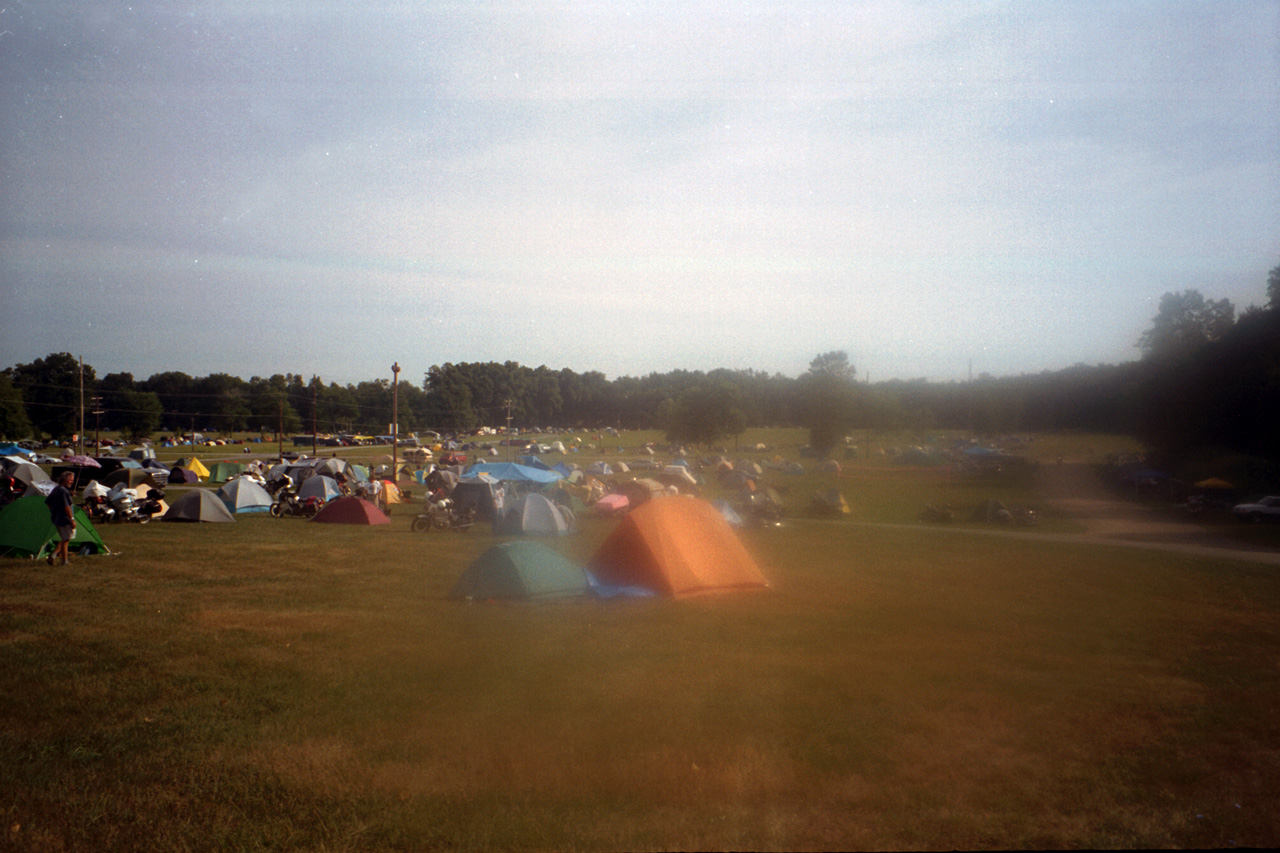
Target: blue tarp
point(511, 472)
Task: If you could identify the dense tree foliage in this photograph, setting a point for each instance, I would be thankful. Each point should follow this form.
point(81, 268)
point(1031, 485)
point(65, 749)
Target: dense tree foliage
point(826, 399)
point(50, 390)
point(1206, 379)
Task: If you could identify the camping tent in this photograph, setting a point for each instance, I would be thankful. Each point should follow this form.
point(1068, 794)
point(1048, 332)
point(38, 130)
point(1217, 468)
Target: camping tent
point(351, 510)
point(199, 505)
point(828, 504)
point(642, 489)
point(730, 514)
point(612, 504)
point(182, 476)
point(195, 465)
point(29, 476)
point(520, 570)
point(27, 531)
point(244, 495)
point(131, 477)
point(475, 495)
point(676, 546)
point(323, 487)
point(223, 471)
point(534, 515)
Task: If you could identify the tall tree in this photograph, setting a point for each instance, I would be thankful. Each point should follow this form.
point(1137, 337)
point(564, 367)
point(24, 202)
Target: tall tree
point(14, 423)
point(51, 391)
point(1273, 289)
point(826, 398)
point(1185, 322)
point(704, 414)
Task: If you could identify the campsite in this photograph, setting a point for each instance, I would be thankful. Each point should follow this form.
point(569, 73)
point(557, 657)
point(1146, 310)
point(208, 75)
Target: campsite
point(881, 684)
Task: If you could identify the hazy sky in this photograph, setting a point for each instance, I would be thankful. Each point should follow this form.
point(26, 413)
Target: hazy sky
point(323, 187)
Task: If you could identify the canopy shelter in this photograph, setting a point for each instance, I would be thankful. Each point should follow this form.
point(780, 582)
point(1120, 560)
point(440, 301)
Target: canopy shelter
point(26, 530)
point(675, 546)
point(511, 472)
point(520, 570)
point(199, 505)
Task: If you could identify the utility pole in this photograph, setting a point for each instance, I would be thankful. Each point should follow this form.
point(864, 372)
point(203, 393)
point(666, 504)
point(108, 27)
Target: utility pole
point(280, 428)
point(97, 410)
point(395, 419)
point(315, 402)
point(508, 436)
point(80, 433)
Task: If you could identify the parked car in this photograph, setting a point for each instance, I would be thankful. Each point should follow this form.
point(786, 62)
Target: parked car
point(1267, 509)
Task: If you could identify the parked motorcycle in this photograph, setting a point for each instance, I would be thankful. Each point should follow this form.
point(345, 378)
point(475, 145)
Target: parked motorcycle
point(98, 508)
point(125, 507)
point(287, 503)
point(441, 514)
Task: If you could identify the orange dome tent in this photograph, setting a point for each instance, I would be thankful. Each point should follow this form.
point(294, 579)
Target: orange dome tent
point(675, 545)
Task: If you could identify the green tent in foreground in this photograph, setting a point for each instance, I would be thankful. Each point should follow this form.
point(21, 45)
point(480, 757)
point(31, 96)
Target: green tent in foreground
point(26, 531)
point(522, 570)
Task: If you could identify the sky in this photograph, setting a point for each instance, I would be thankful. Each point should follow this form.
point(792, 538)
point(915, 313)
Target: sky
point(325, 188)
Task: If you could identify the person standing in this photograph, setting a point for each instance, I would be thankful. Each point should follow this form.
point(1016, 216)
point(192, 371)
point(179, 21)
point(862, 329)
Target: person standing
point(62, 511)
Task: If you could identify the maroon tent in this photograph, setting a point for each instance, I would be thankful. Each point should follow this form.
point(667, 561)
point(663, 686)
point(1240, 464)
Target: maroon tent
point(351, 510)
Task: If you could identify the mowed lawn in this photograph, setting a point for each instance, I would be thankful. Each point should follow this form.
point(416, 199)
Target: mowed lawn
point(276, 684)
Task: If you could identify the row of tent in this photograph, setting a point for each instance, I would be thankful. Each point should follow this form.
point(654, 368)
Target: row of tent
point(675, 546)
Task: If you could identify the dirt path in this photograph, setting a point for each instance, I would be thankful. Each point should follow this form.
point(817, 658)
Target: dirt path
point(1075, 490)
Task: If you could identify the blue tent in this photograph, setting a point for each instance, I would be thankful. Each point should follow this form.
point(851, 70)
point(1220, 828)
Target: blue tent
point(511, 472)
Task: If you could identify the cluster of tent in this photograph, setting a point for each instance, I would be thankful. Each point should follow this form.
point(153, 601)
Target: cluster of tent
point(676, 546)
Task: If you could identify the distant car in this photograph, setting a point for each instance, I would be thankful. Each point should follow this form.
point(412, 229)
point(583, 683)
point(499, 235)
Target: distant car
point(1267, 509)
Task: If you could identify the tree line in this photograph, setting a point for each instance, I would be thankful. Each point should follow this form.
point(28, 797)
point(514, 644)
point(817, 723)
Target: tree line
point(1205, 378)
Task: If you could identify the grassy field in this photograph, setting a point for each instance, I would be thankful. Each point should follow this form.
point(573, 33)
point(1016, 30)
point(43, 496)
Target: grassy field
point(280, 685)
point(275, 684)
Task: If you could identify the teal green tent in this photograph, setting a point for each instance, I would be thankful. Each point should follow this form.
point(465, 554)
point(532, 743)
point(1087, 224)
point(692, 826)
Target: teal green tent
point(521, 570)
point(220, 472)
point(26, 531)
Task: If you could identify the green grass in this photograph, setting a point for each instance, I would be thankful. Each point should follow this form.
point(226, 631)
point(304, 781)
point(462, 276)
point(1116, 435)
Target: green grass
point(275, 684)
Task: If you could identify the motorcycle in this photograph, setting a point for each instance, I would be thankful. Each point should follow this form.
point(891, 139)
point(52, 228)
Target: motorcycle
point(152, 504)
point(287, 503)
point(98, 509)
point(124, 505)
point(441, 514)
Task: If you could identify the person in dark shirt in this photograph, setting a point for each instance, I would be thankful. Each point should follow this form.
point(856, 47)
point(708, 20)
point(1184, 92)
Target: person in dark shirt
point(62, 510)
